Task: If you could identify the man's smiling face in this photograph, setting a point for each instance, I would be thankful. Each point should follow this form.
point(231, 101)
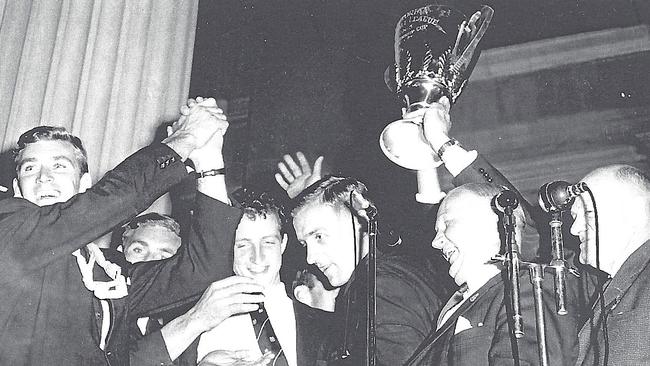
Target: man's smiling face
point(259, 245)
point(467, 234)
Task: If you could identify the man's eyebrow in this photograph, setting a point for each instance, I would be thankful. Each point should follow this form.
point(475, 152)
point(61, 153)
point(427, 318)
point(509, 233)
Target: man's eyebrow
point(56, 157)
point(63, 157)
point(141, 242)
point(274, 236)
point(313, 232)
point(25, 160)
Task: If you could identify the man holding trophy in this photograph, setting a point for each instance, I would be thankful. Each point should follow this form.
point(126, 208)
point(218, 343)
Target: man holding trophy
point(436, 48)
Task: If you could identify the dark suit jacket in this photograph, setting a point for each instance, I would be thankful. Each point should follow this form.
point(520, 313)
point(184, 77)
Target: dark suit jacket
point(489, 341)
point(310, 330)
point(481, 171)
point(410, 293)
point(47, 316)
point(627, 316)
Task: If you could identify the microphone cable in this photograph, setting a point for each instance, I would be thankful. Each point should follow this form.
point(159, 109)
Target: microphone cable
point(346, 351)
point(601, 290)
point(354, 232)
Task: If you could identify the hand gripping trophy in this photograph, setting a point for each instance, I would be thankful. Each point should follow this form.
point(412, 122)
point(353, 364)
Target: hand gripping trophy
point(436, 48)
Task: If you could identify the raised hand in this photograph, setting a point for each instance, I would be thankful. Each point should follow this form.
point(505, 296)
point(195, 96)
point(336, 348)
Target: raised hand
point(294, 178)
point(210, 155)
point(436, 123)
point(200, 120)
point(225, 298)
point(221, 300)
point(235, 358)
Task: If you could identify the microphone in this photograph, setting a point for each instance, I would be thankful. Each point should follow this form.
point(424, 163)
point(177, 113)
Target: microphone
point(362, 206)
point(559, 195)
point(506, 200)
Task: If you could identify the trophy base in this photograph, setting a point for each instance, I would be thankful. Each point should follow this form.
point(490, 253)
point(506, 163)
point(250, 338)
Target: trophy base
point(404, 144)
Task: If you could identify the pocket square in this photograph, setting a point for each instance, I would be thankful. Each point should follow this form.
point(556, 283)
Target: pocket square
point(462, 324)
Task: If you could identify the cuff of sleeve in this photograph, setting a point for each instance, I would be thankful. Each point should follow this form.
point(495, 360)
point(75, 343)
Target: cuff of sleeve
point(456, 159)
point(165, 168)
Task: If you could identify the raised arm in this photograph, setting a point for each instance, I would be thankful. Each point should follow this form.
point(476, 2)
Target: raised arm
point(206, 254)
point(294, 178)
point(471, 167)
point(40, 235)
point(465, 166)
point(208, 160)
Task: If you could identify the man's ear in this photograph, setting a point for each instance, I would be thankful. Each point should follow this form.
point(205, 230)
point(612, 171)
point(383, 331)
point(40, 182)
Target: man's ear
point(17, 192)
point(283, 244)
point(85, 182)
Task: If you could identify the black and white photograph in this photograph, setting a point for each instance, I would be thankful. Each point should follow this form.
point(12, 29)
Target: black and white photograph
point(324, 182)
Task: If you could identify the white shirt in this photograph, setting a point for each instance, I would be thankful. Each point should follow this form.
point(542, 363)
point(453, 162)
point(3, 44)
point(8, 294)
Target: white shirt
point(237, 333)
point(451, 311)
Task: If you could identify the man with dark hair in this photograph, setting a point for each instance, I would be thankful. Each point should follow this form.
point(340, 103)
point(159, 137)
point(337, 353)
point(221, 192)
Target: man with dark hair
point(49, 133)
point(336, 238)
point(617, 332)
point(291, 333)
point(68, 160)
point(56, 306)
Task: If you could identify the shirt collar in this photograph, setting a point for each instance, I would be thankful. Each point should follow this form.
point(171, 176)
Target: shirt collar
point(275, 291)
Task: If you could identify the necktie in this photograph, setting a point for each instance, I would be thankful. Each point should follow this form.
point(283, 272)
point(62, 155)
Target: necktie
point(266, 338)
point(455, 299)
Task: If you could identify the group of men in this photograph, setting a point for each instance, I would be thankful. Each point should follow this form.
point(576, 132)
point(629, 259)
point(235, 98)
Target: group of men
point(211, 293)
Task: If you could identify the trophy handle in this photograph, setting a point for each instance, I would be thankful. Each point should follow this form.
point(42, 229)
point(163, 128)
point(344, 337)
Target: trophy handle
point(389, 78)
point(482, 18)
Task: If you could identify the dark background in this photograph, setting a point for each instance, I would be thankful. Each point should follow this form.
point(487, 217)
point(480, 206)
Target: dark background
point(311, 77)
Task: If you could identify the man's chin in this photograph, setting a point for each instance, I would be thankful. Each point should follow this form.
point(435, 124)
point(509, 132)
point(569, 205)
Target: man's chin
point(46, 201)
point(336, 281)
point(265, 279)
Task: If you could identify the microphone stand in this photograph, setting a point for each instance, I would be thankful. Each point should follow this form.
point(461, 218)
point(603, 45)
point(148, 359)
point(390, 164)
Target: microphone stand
point(536, 272)
point(554, 198)
point(367, 211)
point(558, 263)
point(512, 262)
point(371, 346)
point(507, 201)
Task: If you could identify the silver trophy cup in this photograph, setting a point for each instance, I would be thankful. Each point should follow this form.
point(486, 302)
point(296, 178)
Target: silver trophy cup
point(435, 52)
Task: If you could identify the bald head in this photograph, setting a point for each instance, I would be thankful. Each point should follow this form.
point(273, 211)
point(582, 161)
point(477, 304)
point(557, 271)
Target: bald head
point(631, 180)
point(622, 195)
point(467, 230)
point(477, 197)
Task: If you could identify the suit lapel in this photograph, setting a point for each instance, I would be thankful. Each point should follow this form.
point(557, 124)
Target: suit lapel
point(469, 303)
point(441, 338)
point(300, 342)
